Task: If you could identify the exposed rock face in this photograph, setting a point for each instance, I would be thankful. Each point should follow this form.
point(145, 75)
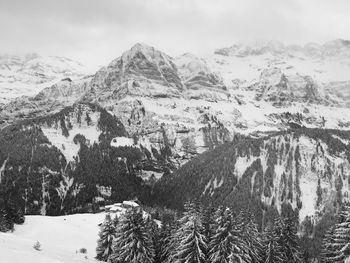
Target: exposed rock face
point(199, 80)
point(65, 90)
point(339, 91)
point(254, 48)
point(49, 100)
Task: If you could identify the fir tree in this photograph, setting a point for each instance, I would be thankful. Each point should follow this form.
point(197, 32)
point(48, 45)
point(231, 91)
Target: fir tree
point(253, 240)
point(227, 244)
point(115, 221)
point(218, 217)
point(190, 242)
point(164, 241)
point(105, 241)
point(133, 241)
point(155, 236)
point(289, 241)
point(208, 221)
point(169, 242)
point(273, 250)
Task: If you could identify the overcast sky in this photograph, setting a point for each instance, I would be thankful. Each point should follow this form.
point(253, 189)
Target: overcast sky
point(96, 31)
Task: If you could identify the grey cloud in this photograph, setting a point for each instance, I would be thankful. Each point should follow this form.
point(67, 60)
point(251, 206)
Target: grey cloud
point(96, 31)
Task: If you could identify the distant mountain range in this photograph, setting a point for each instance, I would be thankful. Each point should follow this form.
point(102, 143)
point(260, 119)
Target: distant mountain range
point(88, 138)
point(28, 74)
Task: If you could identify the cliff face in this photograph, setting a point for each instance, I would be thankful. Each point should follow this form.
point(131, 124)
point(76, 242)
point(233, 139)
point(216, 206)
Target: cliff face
point(280, 89)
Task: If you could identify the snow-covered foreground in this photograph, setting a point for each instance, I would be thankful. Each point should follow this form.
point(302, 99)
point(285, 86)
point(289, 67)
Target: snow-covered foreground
point(60, 237)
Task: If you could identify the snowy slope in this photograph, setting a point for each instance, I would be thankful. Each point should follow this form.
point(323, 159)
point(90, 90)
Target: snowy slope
point(60, 237)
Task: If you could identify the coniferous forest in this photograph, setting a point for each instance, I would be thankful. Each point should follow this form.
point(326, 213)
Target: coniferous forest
point(214, 235)
point(198, 235)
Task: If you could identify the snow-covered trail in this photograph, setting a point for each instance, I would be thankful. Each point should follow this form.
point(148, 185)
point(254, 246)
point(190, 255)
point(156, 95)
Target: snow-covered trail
point(61, 238)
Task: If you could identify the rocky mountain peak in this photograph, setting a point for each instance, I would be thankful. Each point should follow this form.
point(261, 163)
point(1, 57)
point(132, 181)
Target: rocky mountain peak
point(276, 86)
point(253, 48)
point(142, 71)
point(146, 50)
point(142, 53)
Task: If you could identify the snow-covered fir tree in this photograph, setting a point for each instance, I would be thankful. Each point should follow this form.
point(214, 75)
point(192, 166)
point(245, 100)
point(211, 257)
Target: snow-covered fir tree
point(336, 242)
point(289, 241)
point(169, 241)
point(155, 236)
point(190, 241)
point(208, 221)
point(105, 241)
point(253, 239)
point(327, 252)
point(227, 244)
point(133, 241)
point(273, 249)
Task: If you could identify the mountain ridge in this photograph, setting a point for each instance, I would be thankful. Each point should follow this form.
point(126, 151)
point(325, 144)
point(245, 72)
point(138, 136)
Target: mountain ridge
point(28, 74)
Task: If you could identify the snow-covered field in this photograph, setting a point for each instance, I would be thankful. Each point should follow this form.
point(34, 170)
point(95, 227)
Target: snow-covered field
point(60, 237)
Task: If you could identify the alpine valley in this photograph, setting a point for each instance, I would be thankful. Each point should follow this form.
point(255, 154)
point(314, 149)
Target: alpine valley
point(261, 126)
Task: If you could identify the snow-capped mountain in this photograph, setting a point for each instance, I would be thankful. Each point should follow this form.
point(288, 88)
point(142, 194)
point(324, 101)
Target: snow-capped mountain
point(28, 74)
point(336, 49)
point(327, 64)
point(147, 114)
